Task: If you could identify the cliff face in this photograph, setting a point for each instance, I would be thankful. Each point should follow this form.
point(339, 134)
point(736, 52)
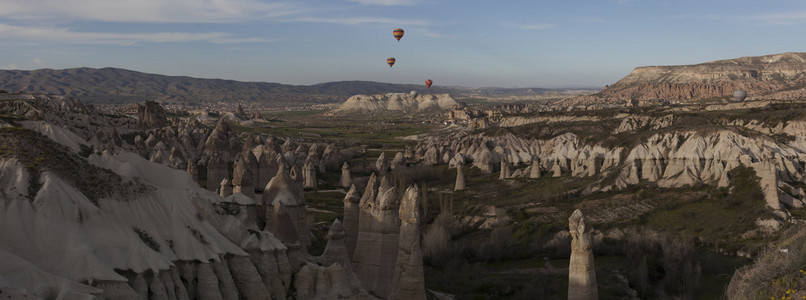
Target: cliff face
point(771, 76)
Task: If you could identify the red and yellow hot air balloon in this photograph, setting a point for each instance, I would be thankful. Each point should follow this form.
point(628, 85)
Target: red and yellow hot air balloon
point(398, 33)
point(390, 61)
point(428, 83)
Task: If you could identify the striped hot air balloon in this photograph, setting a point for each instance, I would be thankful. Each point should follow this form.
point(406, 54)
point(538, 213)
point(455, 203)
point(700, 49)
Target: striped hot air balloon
point(398, 33)
point(428, 83)
point(390, 61)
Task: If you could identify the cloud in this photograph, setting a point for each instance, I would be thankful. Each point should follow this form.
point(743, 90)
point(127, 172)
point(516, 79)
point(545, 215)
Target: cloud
point(144, 11)
point(361, 20)
point(787, 18)
point(386, 2)
point(535, 26)
point(66, 35)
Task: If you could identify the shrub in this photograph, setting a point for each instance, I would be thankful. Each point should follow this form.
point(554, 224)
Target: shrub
point(438, 248)
point(662, 259)
point(497, 245)
point(774, 270)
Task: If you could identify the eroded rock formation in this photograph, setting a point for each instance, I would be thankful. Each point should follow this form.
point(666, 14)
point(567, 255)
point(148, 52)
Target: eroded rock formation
point(396, 102)
point(460, 179)
point(581, 271)
point(769, 76)
point(282, 190)
point(345, 180)
point(150, 114)
point(378, 236)
point(408, 281)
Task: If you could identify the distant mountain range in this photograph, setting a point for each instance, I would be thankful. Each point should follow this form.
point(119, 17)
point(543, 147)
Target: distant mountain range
point(120, 86)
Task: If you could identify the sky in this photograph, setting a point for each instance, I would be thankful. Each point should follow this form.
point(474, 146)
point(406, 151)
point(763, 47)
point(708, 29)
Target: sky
point(507, 43)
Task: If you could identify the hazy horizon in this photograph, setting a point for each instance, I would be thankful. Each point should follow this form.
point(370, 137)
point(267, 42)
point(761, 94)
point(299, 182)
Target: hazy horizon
point(519, 45)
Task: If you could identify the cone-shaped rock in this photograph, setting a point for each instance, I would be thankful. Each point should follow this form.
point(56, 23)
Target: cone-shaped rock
point(535, 171)
point(504, 169)
point(398, 160)
point(226, 188)
point(308, 174)
point(283, 190)
point(378, 237)
point(335, 251)
point(222, 141)
point(381, 164)
point(351, 212)
point(408, 281)
point(345, 180)
point(460, 179)
point(216, 171)
point(267, 167)
point(243, 177)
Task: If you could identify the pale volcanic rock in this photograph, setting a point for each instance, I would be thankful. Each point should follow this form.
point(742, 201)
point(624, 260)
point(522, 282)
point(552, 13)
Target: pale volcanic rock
point(216, 171)
point(225, 188)
point(151, 115)
point(398, 160)
point(393, 102)
point(345, 180)
point(295, 173)
point(447, 155)
point(409, 281)
point(308, 175)
point(327, 282)
point(378, 236)
point(460, 179)
point(334, 278)
point(769, 183)
point(483, 160)
point(457, 160)
point(431, 156)
point(222, 141)
point(282, 190)
point(177, 158)
point(761, 76)
point(638, 122)
point(504, 171)
point(267, 167)
point(381, 165)
point(247, 279)
point(522, 120)
point(335, 250)
point(581, 271)
point(195, 252)
point(557, 169)
point(244, 173)
point(534, 172)
point(670, 159)
point(351, 213)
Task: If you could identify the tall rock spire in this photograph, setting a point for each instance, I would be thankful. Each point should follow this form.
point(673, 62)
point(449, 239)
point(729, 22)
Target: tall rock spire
point(408, 281)
point(581, 272)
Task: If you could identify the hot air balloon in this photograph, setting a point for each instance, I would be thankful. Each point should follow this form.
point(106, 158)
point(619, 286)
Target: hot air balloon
point(398, 33)
point(428, 83)
point(413, 93)
point(739, 95)
point(390, 61)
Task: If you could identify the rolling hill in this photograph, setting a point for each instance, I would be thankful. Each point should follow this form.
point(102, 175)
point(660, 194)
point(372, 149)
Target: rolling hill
point(120, 86)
